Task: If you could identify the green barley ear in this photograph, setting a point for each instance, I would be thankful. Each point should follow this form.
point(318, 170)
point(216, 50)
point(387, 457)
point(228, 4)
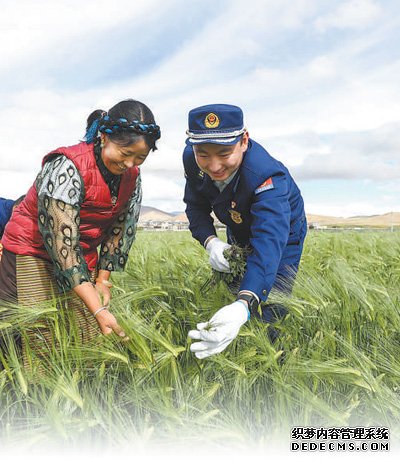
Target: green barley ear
point(237, 258)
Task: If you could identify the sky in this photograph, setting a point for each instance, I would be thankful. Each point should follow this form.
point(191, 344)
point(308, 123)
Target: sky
point(318, 82)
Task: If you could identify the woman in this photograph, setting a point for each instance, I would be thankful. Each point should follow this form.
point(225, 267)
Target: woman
point(85, 196)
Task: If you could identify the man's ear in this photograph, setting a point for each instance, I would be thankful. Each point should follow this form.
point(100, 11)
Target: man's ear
point(245, 139)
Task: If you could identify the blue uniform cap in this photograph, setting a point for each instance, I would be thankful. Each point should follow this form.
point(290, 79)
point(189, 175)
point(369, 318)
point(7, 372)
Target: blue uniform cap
point(216, 124)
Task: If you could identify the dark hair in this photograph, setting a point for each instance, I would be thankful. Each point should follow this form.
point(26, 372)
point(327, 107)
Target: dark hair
point(124, 124)
point(95, 115)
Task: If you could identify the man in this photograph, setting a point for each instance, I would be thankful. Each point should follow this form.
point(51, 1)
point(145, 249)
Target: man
point(256, 198)
point(6, 207)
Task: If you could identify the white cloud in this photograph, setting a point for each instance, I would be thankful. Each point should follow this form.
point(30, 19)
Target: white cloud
point(322, 67)
point(13, 184)
point(306, 105)
point(162, 192)
point(348, 208)
point(353, 14)
point(371, 154)
point(29, 27)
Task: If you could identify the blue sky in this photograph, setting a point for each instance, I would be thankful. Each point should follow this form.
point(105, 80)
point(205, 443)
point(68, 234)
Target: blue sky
point(317, 80)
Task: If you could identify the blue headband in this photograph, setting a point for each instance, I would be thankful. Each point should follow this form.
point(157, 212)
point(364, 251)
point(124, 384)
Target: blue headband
point(106, 125)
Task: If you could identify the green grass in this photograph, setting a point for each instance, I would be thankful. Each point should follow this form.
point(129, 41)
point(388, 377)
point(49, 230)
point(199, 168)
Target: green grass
point(340, 365)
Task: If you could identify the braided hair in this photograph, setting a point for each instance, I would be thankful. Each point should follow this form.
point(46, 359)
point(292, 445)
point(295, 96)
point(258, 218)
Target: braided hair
point(124, 124)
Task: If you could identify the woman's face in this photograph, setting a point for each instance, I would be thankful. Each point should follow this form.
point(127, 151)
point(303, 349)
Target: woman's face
point(118, 159)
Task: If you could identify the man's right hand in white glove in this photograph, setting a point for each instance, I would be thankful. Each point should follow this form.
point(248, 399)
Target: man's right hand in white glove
point(215, 248)
point(220, 331)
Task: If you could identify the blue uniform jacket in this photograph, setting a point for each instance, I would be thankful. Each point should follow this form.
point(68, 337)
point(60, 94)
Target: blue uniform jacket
point(5, 213)
point(261, 207)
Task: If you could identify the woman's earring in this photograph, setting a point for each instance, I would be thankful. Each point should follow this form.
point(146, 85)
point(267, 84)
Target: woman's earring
point(102, 144)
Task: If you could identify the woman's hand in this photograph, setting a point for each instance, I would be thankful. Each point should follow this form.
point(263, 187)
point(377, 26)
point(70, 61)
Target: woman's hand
point(103, 286)
point(108, 324)
point(103, 289)
point(106, 321)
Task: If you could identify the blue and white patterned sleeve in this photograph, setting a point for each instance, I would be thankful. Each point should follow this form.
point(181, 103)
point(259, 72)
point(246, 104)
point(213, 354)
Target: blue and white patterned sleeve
point(115, 249)
point(60, 191)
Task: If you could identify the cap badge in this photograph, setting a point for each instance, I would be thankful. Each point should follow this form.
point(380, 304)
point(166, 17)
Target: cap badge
point(211, 121)
point(236, 216)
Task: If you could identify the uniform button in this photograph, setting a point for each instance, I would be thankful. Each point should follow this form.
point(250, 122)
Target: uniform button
point(264, 292)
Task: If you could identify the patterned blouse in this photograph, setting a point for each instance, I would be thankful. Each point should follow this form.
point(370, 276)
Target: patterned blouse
point(60, 196)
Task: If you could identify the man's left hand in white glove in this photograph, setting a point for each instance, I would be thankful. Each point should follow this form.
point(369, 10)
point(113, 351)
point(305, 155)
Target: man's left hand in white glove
point(220, 331)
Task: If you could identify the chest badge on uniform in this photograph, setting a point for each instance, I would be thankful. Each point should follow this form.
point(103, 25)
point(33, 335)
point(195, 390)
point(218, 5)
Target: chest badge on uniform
point(236, 216)
point(233, 204)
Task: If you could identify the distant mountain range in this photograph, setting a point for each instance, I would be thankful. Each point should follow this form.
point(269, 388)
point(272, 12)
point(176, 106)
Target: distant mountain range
point(149, 213)
point(382, 220)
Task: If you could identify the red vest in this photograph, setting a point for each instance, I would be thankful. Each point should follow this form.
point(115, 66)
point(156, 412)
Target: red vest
point(97, 214)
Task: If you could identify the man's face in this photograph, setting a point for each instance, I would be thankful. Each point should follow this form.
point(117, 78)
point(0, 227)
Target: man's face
point(220, 161)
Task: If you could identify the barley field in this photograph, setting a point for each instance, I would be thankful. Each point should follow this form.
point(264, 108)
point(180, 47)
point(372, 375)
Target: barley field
point(336, 363)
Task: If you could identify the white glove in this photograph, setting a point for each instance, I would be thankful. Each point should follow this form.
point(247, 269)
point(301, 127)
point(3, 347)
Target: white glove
point(220, 331)
point(215, 248)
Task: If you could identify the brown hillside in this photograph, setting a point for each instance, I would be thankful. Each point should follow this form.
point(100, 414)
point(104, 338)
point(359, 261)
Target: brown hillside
point(384, 220)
